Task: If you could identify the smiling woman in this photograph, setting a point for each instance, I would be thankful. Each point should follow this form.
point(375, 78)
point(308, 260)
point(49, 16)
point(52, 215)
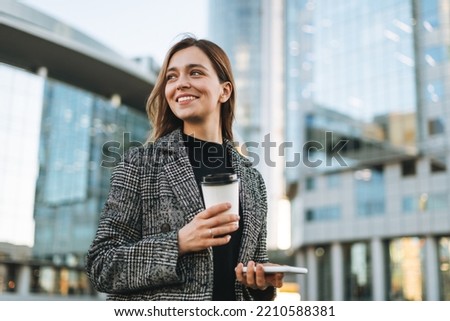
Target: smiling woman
point(195, 93)
point(156, 240)
point(210, 73)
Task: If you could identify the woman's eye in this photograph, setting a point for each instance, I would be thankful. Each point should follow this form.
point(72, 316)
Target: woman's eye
point(196, 73)
point(170, 77)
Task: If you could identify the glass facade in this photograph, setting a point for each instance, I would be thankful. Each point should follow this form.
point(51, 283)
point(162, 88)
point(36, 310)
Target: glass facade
point(407, 280)
point(64, 127)
point(350, 67)
point(240, 36)
point(52, 280)
point(324, 279)
point(370, 191)
point(8, 277)
point(323, 213)
point(21, 99)
point(366, 103)
point(366, 92)
point(357, 275)
point(60, 146)
point(82, 137)
point(444, 268)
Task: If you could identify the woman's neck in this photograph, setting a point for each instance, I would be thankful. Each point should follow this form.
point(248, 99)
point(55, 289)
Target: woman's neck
point(212, 134)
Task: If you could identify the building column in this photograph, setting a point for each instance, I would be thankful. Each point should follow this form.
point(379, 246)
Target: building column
point(300, 260)
point(431, 270)
point(378, 275)
point(24, 280)
point(337, 271)
point(312, 291)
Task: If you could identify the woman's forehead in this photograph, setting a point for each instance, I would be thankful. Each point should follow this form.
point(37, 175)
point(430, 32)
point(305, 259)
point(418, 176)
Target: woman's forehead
point(188, 57)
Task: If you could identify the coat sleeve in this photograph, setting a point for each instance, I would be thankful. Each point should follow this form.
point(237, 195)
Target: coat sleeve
point(119, 259)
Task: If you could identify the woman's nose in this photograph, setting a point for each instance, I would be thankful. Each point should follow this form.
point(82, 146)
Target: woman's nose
point(183, 83)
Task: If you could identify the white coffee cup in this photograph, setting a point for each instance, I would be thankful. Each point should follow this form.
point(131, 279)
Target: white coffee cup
point(221, 188)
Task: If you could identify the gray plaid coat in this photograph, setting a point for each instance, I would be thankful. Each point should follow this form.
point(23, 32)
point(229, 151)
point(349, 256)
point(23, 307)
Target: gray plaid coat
point(134, 255)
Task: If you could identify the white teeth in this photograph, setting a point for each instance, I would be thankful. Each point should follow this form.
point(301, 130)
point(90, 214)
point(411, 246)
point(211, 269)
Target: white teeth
point(186, 98)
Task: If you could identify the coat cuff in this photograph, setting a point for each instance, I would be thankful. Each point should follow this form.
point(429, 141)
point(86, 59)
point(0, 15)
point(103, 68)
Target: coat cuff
point(268, 294)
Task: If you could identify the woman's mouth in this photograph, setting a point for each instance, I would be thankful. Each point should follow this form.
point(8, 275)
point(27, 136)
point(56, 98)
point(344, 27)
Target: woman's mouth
point(186, 99)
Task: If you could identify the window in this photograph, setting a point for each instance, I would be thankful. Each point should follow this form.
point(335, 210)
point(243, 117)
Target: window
point(409, 204)
point(434, 91)
point(8, 277)
point(436, 126)
point(408, 167)
point(430, 11)
point(435, 55)
point(444, 267)
point(323, 213)
point(370, 191)
point(357, 271)
point(438, 165)
point(310, 183)
point(406, 277)
point(438, 202)
point(323, 256)
point(333, 180)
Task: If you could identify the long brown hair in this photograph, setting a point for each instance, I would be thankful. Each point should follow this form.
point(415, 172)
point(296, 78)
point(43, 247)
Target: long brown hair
point(159, 113)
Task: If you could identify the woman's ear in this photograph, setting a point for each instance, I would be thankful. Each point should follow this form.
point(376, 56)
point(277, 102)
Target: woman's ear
point(227, 89)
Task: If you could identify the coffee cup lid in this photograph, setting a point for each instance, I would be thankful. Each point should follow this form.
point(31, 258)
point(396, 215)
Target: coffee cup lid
point(219, 178)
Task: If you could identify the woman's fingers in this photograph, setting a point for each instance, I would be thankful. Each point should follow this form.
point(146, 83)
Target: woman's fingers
point(214, 220)
point(210, 227)
point(256, 278)
point(214, 210)
point(224, 229)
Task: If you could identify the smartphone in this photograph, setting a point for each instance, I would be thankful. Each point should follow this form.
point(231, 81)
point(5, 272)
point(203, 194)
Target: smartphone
point(282, 269)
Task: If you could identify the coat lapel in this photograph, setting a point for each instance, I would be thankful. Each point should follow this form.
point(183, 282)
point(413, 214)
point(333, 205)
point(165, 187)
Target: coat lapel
point(180, 175)
point(250, 217)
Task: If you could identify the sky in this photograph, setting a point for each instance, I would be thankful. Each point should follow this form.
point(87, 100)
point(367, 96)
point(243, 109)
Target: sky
point(132, 28)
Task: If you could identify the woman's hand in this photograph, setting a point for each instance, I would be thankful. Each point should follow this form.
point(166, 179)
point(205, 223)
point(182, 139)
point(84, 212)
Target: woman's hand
point(210, 227)
point(256, 278)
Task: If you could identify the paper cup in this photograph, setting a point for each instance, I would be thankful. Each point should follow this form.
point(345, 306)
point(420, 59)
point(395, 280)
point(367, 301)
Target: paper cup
point(221, 188)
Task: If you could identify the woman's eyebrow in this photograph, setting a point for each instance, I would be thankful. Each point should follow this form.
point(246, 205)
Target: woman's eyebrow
point(189, 66)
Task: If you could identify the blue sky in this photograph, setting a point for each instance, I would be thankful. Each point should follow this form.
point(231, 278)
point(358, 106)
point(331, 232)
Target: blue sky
point(131, 27)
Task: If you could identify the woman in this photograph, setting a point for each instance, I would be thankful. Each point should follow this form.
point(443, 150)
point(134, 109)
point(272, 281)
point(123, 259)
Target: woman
point(156, 240)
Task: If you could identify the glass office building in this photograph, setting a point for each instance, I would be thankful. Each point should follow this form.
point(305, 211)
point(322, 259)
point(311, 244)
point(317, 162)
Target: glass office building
point(69, 108)
point(236, 26)
point(252, 38)
point(367, 98)
point(81, 138)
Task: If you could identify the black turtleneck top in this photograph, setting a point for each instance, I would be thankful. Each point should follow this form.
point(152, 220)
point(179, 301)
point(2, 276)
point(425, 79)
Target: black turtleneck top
point(209, 158)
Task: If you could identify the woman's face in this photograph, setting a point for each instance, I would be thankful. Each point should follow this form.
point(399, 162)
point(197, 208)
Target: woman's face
point(193, 90)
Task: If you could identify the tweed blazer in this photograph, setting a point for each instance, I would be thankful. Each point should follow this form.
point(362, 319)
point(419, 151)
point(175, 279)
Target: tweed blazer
point(153, 194)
